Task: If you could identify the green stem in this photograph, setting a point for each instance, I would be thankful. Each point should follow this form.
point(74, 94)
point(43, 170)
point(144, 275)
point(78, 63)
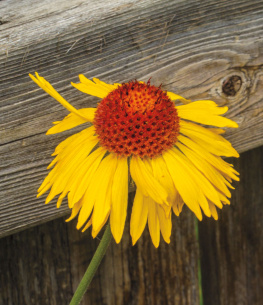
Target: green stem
point(201, 301)
point(93, 266)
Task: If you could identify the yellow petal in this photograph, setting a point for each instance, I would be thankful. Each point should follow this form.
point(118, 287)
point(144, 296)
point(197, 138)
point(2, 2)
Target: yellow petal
point(205, 112)
point(175, 97)
point(65, 149)
point(96, 88)
point(205, 186)
point(67, 142)
point(183, 182)
point(213, 142)
point(109, 87)
point(213, 210)
point(146, 182)
point(75, 211)
point(165, 223)
point(99, 193)
point(72, 120)
point(60, 198)
point(211, 173)
point(65, 168)
point(223, 167)
point(42, 83)
point(216, 130)
point(87, 225)
point(163, 176)
point(138, 216)
point(178, 204)
point(119, 199)
point(80, 180)
point(153, 221)
point(223, 199)
point(54, 161)
point(45, 186)
point(94, 233)
point(74, 154)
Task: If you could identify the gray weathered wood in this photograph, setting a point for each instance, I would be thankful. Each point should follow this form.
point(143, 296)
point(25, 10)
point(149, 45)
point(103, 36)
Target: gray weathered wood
point(191, 47)
point(232, 247)
point(44, 265)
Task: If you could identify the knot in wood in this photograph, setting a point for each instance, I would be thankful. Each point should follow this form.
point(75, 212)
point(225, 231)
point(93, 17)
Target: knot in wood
point(232, 85)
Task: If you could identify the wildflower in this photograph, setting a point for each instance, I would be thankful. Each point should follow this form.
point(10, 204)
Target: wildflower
point(138, 131)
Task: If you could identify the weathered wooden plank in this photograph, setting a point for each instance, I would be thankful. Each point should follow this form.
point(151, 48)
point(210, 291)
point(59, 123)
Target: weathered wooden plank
point(232, 247)
point(35, 266)
point(192, 47)
point(44, 265)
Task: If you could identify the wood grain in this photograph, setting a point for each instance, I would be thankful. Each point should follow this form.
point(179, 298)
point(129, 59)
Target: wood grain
point(43, 265)
point(232, 247)
point(191, 47)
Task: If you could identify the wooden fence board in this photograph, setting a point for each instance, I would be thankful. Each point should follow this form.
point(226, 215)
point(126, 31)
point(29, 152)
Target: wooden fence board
point(232, 247)
point(43, 265)
point(195, 48)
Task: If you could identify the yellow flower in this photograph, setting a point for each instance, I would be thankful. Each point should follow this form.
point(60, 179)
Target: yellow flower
point(138, 131)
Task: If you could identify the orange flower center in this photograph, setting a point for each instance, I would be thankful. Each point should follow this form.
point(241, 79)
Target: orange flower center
point(137, 119)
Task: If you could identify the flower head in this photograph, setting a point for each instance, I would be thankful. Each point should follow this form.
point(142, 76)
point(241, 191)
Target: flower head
point(139, 131)
point(137, 119)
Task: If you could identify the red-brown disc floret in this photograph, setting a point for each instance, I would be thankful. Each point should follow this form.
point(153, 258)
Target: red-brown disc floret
point(137, 119)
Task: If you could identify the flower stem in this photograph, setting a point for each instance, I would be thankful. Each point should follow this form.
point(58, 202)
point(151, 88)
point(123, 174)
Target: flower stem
point(201, 301)
point(93, 266)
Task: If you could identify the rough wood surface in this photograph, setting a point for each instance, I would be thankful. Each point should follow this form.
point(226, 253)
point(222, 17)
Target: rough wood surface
point(232, 248)
point(44, 265)
point(200, 49)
